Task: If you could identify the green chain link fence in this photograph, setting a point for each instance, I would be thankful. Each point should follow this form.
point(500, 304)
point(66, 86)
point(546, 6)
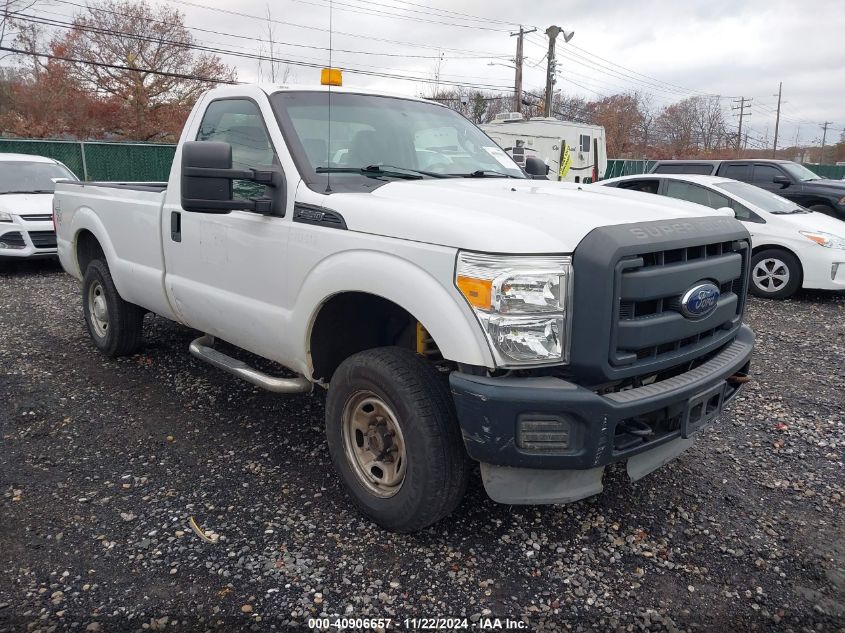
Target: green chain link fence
point(97, 160)
point(619, 167)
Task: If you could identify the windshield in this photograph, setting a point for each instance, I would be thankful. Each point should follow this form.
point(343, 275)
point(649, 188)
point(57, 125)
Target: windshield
point(396, 134)
point(799, 172)
point(30, 176)
point(766, 200)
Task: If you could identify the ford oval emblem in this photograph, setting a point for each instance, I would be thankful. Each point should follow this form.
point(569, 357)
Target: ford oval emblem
point(700, 300)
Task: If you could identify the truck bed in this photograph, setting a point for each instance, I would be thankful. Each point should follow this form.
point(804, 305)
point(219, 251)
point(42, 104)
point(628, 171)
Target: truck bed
point(126, 219)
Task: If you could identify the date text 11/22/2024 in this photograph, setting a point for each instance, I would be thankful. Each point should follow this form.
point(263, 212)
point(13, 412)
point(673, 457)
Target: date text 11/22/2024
point(415, 624)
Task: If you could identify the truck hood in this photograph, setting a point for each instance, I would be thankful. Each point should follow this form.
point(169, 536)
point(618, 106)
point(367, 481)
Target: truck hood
point(824, 186)
point(26, 203)
point(500, 215)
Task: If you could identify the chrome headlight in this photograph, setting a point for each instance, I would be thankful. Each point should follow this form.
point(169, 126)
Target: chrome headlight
point(828, 240)
point(522, 303)
point(5, 216)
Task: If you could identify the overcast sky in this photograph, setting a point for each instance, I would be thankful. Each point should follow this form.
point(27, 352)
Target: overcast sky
point(666, 49)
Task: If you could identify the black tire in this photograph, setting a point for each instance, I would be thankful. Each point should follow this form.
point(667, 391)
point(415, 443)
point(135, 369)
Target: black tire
point(124, 320)
point(436, 464)
point(785, 270)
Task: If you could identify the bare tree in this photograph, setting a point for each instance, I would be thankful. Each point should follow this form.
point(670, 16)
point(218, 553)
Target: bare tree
point(676, 127)
point(648, 118)
point(709, 122)
point(269, 67)
point(7, 19)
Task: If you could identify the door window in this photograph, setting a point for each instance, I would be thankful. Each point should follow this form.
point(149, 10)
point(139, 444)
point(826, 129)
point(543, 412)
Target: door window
point(764, 175)
point(648, 185)
point(737, 172)
point(745, 214)
point(701, 169)
point(239, 123)
point(669, 169)
point(696, 193)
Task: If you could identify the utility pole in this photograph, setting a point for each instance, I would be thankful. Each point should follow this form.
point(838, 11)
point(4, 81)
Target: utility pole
point(743, 104)
point(824, 138)
point(517, 86)
point(777, 121)
point(552, 32)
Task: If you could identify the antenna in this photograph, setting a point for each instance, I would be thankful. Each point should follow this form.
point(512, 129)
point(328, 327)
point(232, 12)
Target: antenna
point(329, 141)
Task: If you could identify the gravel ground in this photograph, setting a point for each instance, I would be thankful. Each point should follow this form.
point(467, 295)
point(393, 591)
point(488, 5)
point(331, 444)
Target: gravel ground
point(104, 463)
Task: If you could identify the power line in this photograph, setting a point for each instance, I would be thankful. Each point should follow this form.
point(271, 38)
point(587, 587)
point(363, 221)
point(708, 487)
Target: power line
point(352, 8)
point(457, 13)
point(618, 71)
point(677, 87)
point(323, 30)
point(367, 9)
point(310, 62)
point(162, 73)
point(293, 62)
point(258, 39)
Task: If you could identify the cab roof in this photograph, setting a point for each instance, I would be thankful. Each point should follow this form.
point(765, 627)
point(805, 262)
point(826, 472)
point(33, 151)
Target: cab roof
point(273, 88)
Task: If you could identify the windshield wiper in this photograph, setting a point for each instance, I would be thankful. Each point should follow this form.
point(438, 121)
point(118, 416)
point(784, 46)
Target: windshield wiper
point(370, 172)
point(485, 173)
point(407, 170)
point(791, 211)
point(29, 191)
point(391, 171)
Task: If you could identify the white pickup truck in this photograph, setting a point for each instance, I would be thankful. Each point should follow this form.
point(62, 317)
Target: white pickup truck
point(456, 311)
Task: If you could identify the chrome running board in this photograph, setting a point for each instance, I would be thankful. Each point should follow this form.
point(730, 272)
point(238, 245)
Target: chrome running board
point(203, 348)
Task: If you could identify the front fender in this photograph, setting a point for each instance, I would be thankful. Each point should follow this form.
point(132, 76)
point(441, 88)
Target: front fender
point(440, 308)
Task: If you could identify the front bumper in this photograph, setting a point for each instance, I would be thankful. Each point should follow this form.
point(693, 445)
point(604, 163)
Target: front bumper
point(824, 268)
point(490, 411)
point(21, 239)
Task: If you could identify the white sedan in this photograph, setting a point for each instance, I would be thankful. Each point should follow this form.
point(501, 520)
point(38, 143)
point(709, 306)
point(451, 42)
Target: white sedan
point(792, 247)
point(26, 205)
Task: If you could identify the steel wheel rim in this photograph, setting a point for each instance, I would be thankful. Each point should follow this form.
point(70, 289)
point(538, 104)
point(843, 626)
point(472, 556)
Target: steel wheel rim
point(98, 309)
point(771, 274)
point(374, 444)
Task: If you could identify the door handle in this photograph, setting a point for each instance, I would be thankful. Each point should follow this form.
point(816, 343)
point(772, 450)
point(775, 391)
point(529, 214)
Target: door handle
point(176, 226)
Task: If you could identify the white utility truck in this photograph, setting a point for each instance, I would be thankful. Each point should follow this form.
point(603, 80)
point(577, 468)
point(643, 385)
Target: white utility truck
point(573, 152)
point(456, 313)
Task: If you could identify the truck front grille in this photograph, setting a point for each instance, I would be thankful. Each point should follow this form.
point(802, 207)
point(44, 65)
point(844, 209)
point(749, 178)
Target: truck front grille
point(43, 239)
point(628, 283)
point(648, 323)
point(37, 217)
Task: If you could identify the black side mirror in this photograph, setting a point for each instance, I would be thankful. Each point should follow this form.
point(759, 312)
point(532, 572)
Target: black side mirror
point(783, 181)
point(536, 167)
point(207, 177)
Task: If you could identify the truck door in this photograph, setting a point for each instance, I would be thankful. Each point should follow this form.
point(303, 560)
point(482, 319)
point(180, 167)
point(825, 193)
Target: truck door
point(225, 273)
